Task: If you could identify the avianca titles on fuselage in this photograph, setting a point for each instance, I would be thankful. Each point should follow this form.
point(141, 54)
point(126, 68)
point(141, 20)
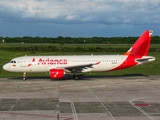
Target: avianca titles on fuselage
point(58, 66)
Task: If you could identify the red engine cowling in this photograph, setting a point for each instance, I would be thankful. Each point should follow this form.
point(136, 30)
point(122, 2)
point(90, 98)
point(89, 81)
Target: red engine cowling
point(56, 73)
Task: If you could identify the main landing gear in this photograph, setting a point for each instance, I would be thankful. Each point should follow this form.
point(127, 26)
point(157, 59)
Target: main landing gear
point(24, 76)
point(76, 77)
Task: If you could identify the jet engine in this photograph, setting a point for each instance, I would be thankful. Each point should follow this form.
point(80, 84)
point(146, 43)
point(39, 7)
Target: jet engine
point(56, 73)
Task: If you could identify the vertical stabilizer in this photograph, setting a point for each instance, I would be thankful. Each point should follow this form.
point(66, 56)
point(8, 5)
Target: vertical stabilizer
point(141, 46)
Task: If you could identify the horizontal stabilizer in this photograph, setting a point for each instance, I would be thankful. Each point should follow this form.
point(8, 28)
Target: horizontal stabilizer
point(145, 59)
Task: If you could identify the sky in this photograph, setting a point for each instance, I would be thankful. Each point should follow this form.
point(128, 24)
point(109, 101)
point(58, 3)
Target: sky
point(78, 18)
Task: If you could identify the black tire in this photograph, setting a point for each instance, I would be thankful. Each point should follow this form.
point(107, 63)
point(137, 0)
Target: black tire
point(76, 77)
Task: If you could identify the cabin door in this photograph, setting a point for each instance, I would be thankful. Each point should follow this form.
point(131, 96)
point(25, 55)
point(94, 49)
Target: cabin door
point(23, 62)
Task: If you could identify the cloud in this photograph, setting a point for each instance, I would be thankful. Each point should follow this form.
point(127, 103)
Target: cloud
point(82, 11)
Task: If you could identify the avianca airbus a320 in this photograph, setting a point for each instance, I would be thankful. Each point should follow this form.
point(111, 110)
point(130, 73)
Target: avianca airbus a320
point(58, 66)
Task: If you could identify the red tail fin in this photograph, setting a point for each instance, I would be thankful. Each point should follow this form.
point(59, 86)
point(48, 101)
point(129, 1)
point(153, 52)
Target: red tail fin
point(141, 46)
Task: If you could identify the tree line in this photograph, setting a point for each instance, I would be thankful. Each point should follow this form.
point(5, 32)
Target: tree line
point(52, 48)
point(80, 40)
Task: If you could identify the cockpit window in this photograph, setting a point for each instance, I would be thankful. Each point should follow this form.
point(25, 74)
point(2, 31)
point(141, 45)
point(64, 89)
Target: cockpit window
point(13, 61)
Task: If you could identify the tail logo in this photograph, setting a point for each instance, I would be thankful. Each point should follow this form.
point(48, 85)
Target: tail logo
point(141, 46)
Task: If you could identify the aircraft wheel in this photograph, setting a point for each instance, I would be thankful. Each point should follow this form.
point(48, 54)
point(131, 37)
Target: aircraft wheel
point(24, 76)
point(76, 77)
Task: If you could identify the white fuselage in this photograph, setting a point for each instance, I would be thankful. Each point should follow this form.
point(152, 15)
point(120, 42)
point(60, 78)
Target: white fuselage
point(45, 63)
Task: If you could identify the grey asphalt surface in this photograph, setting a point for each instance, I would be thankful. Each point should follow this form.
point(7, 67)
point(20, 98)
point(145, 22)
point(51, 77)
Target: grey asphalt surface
point(128, 97)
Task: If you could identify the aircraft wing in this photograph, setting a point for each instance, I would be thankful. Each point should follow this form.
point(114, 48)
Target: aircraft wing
point(79, 68)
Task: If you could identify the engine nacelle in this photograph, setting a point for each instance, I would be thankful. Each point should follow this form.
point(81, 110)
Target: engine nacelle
point(56, 73)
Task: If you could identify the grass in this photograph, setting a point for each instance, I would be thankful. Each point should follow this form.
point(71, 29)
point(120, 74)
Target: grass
point(73, 45)
point(146, 69)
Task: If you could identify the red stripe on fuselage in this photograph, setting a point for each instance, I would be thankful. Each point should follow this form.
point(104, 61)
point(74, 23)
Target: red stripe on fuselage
point(129, 62)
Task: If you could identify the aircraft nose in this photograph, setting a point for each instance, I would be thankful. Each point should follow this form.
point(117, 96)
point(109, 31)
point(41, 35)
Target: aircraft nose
point(5, 67)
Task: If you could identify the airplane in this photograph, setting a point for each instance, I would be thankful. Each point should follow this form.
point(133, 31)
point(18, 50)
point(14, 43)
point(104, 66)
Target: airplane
point(58, 66)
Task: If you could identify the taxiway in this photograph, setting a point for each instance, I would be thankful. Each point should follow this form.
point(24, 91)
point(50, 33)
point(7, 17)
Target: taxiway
point(94, 98)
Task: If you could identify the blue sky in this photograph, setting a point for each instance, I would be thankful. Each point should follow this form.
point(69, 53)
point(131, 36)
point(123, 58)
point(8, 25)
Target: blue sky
point(78, 18)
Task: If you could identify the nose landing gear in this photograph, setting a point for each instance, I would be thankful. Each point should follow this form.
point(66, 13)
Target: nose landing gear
point(24, 76)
